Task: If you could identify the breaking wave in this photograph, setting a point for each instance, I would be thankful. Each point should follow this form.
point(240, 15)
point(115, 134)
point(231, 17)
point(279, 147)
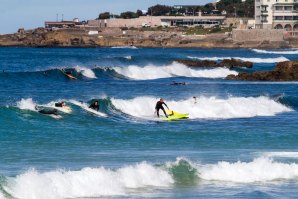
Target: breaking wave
point(281, 52)
point(254, 59)
point(86, 72)
point(175, 69)
point(88, 182)
point(205, 108)
point(259, 170)
point(142, 177)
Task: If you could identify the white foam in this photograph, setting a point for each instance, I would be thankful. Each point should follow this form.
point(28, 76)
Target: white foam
point(88, 182)
point(86, 108)
point(128, 57)
point(175, 69)
point(26, 104)
point(253, 59)
point(282, 154)
point(2, 196)
point(130, 47)
point(282, 52)
point(205, 108)
point(259, 170)
point(87, 72)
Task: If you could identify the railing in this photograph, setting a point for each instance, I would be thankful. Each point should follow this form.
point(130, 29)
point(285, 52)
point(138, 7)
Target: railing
point(264, 21)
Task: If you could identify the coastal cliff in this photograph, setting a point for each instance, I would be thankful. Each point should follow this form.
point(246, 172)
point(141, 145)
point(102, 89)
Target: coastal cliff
point(109, 37)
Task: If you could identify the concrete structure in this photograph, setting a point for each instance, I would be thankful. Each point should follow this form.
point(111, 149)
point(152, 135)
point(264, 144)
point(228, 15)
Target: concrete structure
point(277, 14)
point(257, 35)
point(152, 21)
point(63, 24)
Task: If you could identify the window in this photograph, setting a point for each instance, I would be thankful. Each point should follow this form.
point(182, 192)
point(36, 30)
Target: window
point(278, 18)
point(288, 18)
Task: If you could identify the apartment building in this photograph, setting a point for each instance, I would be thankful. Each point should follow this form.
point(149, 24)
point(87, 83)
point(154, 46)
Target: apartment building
point(276, 14)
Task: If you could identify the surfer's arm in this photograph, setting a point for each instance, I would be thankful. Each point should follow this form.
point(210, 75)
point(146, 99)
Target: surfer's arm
point(166, 105)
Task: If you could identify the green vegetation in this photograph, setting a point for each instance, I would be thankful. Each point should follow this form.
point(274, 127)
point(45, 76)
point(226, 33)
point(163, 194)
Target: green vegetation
point(159, 10)
point(241, 9)
point(199, 30)
point(231, 7)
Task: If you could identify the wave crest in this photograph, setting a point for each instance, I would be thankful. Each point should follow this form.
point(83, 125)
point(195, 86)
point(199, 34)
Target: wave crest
point(253, 59)
point(283, 52)
point(88, 182)
point(205, 108)
point(175, 69)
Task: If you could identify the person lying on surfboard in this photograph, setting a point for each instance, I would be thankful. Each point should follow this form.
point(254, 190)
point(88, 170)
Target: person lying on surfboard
point(94, 105)
point(159, 105)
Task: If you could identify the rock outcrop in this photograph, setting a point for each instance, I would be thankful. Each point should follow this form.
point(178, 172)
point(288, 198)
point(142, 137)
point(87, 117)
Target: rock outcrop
point(107, 37)
point(229, 63)
point(284, 71)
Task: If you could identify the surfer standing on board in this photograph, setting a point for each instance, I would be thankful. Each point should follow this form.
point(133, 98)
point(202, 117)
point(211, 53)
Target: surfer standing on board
point(159, 106)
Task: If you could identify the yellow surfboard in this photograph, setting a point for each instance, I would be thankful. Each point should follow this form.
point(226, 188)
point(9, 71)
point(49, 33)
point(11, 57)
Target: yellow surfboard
point(173, 115)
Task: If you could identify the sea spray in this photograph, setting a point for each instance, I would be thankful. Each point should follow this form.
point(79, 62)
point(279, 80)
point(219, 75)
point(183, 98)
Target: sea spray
point(26, 104)
point(205, 107)
point(252, 59)
point(175, 69)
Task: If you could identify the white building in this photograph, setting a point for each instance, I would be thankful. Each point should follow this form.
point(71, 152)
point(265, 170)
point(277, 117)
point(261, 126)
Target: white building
point(277, 14)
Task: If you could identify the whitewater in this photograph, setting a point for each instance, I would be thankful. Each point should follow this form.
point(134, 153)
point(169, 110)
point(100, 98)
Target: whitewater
point(239, 142)
point(173, 70)
point(98, 182)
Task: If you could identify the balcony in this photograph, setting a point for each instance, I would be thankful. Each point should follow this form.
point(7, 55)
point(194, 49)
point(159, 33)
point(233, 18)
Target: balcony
point(264, 21)
point(264, 11)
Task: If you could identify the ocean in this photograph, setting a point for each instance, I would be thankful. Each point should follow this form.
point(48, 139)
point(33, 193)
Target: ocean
point(240, 140)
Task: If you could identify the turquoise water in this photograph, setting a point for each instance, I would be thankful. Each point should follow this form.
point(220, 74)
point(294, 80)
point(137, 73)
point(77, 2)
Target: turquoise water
point(239, 142)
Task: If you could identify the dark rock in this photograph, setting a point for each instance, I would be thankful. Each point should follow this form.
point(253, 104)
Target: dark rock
point(204, 63)
point(284, 71)
point(229, 63)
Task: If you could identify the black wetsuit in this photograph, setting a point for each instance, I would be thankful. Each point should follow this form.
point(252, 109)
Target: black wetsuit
point(94, 106)
point(159, 106)
point(59, 104)
point(48, 112)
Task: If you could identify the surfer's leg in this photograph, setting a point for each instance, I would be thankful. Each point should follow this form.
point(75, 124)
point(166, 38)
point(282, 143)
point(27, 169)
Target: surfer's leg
point(164, 112)
point(157, 112)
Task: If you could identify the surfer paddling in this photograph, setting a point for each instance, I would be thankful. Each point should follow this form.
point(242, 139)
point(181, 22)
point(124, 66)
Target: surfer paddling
point(94, 105)
point(159, 105)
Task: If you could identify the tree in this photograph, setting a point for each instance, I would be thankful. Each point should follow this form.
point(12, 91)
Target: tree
point(128, 15)
point(159, 10)
point(139, 13)
point(242, 9)
point(104, 15)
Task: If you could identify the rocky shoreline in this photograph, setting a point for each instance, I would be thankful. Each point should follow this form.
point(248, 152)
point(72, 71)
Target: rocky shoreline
point(227, 63)
point(284, 71)
point(110, 37)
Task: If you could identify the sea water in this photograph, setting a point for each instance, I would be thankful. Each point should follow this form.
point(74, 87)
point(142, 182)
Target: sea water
point(240, 140)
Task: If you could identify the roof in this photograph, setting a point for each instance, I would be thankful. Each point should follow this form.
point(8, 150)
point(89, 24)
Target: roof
point(61, 22)
point(193, 17)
